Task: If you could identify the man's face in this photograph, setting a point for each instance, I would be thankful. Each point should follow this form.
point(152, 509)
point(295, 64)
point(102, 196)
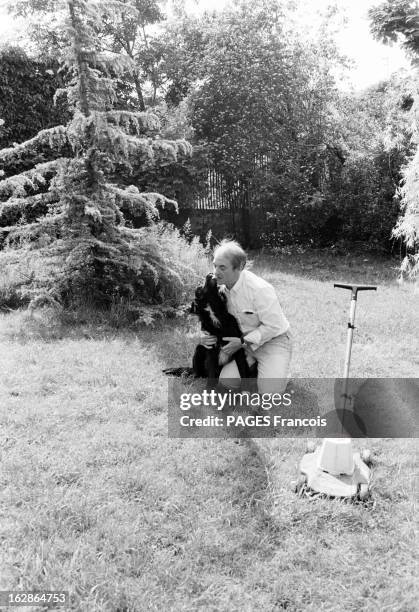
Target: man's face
point(224, 271)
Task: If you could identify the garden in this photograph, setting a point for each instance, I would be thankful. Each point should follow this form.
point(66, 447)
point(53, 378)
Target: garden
point(112, 117)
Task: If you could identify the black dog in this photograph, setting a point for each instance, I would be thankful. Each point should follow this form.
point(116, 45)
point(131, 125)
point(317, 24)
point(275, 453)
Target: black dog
point(210, 305)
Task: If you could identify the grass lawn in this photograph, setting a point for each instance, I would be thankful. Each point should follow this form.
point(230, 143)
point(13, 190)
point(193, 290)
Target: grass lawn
point(97, 500)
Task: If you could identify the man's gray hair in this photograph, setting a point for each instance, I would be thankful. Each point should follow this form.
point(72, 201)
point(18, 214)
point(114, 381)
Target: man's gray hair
point(234, 252)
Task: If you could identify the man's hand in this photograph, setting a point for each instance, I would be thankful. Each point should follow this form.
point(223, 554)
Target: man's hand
point(207, 340)
point(234, 344)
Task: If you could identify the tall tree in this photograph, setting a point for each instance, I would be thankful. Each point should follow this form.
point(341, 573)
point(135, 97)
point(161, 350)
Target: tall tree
point(260, 100)
point(128, 35)
point(86, 249)
point(126, 32)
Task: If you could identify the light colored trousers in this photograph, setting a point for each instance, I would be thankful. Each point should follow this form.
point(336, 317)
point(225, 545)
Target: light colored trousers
point(273, 359)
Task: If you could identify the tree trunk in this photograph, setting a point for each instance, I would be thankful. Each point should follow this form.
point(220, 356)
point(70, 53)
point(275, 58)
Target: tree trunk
point(81, 61)
point(139, 91)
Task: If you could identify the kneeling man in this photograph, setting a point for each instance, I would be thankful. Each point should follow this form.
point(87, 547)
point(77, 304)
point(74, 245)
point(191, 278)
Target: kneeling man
point(266, 333)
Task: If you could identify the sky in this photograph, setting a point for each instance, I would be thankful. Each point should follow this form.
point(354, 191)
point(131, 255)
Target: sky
point(373, 61)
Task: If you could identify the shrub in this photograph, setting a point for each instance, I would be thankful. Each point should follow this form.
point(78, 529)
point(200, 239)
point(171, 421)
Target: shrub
point(168, 272)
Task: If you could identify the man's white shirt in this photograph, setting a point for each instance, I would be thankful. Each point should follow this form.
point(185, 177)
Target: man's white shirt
point(255, 304)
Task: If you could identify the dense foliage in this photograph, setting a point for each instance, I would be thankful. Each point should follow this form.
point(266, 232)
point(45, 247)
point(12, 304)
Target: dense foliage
point(27, 89)
point(392, 21)
point(240, 71)
point(261, 98)
point(70, 208)
point(375, 142)
point(258, 97)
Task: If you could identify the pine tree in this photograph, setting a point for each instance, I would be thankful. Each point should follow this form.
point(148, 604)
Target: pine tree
point(69, 207)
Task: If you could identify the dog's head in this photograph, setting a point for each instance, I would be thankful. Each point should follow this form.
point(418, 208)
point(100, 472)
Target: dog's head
point(209, 295)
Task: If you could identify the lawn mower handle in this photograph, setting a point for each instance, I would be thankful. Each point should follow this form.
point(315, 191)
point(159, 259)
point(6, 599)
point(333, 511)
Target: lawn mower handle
point(356, 288)
point(354, 292)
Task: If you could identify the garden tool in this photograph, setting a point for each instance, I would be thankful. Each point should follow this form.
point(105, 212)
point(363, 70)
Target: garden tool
point(334, 469)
